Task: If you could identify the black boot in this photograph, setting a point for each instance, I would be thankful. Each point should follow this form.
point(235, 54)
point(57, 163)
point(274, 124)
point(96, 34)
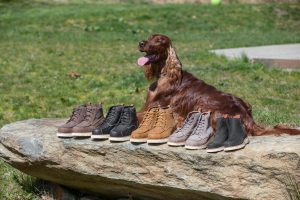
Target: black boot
point(237, 138)
point(128, 122)
point(221, 136)
point(111, 120)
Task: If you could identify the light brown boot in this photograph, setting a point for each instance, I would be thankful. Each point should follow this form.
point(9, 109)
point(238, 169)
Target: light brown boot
point(164, 126)
point(147, 124)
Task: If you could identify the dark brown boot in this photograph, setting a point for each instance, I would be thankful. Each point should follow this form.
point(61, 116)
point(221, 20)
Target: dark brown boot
point(76, 117)
point(93, 118)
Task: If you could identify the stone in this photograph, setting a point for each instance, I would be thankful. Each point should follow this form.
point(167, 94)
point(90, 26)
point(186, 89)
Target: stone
point(124, 170)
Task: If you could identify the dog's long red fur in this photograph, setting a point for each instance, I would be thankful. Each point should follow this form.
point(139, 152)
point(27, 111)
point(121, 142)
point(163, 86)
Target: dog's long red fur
point(185, 93)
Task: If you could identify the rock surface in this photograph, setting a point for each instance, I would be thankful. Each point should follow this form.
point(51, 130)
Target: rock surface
point(151, 172)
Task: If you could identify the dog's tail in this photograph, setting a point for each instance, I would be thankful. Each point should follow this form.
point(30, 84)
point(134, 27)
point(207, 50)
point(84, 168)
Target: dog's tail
point(257, 130)
point(276, 130)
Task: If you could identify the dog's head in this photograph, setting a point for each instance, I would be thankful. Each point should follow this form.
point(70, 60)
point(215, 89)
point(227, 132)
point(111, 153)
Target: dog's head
point(160, 56)
point(156, 49)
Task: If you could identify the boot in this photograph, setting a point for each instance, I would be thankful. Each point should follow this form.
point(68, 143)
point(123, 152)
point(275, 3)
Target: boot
point(94, 117)
point(128, 122)
point(111, 120)
point(76, 117)
point(237, 138)
point(181, 134)
point(221, 136)
point(202, 133)
point(164, 126)
point(149, 119)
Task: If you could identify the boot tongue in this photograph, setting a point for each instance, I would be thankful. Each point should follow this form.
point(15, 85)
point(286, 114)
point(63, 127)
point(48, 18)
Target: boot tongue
point(89, 112)
point(142, 61)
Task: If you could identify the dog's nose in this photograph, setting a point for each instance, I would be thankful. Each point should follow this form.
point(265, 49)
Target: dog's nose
point(142, 43)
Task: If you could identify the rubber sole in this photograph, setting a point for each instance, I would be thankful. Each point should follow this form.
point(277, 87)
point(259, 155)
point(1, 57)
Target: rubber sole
point(140, 140)
point(195, 147)
point(89, 134)
point(158, 141)
point(215, 150)
point(119, 139)
point(64, 135)
point(174, 144)
point(241, 146)
point(100, 137)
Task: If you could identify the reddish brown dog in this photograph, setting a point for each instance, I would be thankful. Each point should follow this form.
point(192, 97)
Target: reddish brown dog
point(185, 93)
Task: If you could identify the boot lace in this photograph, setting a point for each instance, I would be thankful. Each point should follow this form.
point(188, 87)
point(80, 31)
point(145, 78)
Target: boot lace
point(200, 127)
point(147, 119)
point(110, 115)
point(160, 119)
point(125, 117)
point(74, 115)
point(186, 124)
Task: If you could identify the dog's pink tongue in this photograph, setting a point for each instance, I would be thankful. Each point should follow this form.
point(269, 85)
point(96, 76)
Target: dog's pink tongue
point(142, 61)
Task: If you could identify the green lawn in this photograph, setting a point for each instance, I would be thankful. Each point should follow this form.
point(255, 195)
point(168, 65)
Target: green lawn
point(41, 43)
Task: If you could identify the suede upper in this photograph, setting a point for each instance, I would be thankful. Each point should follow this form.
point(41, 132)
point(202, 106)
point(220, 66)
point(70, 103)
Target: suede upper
point(202, 132)
point(94, 117)
point(147, 124)
point(221, 134)
point(76, 117)
point(237, 132)
point(181, 134)
point(164, 126)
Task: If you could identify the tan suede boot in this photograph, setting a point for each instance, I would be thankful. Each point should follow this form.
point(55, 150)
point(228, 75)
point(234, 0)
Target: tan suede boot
point(164, 126)
point(149, 120)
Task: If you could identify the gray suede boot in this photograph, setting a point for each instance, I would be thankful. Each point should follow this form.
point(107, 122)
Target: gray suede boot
point(237, 138)
point(181, 134)
point(202, 133)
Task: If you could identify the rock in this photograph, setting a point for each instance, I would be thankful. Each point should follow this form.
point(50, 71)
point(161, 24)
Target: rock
point(124, 170)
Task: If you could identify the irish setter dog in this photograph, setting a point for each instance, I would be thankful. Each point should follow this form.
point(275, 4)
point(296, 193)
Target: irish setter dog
point(185, 93)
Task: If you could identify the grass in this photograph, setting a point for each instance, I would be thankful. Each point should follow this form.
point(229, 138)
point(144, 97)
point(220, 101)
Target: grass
point(41, 43)
point(16, 185)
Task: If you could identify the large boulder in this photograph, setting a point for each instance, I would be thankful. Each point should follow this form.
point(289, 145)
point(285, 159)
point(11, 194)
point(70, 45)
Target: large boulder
point(151, 172)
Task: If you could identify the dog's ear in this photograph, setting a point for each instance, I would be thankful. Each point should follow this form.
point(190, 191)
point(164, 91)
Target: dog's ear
point(173, 60)
point(173, 67)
